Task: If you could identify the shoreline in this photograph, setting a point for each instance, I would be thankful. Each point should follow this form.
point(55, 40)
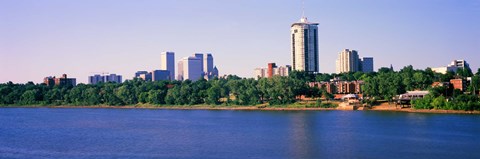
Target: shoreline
point(256, 108)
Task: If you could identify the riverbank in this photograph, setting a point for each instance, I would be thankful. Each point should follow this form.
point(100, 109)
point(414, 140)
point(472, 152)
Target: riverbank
point(383, 107)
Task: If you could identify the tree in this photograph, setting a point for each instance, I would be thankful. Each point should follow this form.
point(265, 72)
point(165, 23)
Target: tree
point(30, 97)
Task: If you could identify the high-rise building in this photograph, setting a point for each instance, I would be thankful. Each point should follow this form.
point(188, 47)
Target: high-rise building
point(260, 73)
point(167, 62)
point(192, 68)
point(270, 69)
point(207, 63)
point(348, 61)
point(367, 65)
point(305, 46)
point(200, 56)
point(209, 69)
point(180, 70)
point(160, 75)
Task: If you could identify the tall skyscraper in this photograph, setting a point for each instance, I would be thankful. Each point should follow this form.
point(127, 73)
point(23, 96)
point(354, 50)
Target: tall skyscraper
point(348, 61)
point(180, 70)
point(200, 56)
point(305, 46)
point(167, 62)
point(207, 63)
point(192, 68)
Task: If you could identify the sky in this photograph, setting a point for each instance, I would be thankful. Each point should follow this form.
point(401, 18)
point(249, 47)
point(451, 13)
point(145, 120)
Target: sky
point(40, 38)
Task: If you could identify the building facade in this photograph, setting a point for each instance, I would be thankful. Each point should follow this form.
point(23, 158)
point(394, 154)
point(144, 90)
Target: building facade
point(167, 62)
point(452, 67)
point(304, 38)
point(62, 81)
point(95, 79)
point(192, 68)
point(161, 75)
point(272, 70)
point(367, 65)
point(348, 61)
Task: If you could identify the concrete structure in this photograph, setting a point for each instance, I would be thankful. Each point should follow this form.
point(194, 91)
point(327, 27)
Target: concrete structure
point(196, 66)
point(260, 73)
point(167, 62)
point(367, 65)
point(272, 70)
point(339, 87)
point(95, 79)
point(459, 84)
point(160, 75)
point(62, 81)
point(347, 61)
point(200, 56)
point(192, 68)
point(210, 71)
point(138, 73)
point(180, 70)
point(304, 38)
point(452, 67)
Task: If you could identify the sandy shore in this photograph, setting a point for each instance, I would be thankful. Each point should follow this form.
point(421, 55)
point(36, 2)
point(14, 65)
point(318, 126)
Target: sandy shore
point(383, 107)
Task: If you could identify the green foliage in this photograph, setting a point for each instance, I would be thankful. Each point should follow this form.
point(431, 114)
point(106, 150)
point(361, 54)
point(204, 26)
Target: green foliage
point(277, 90)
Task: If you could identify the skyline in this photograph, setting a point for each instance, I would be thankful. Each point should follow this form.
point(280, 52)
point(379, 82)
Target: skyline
point(49, 38)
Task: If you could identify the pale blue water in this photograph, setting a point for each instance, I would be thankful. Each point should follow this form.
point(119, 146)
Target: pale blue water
point(144, 133)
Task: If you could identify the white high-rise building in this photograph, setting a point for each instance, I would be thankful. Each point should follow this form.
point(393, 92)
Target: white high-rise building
point(192, 68)
point(167, 62)
point(347, 61)
point(304, 36)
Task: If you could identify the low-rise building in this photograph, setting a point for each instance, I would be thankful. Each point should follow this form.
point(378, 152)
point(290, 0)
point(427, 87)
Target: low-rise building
point(62, 81)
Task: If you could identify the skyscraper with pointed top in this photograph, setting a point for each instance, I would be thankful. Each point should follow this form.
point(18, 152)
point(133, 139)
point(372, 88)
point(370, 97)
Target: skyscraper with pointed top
point(305, 46)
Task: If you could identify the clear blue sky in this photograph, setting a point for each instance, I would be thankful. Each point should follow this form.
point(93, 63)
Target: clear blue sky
point(40, 38)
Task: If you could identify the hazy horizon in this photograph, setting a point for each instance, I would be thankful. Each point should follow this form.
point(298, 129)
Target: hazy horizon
point(52, 37)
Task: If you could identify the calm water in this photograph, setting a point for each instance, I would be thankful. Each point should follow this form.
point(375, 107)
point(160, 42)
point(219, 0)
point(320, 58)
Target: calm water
point(143, 133)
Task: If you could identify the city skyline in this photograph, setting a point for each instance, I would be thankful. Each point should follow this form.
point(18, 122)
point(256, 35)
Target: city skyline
point(123, 37)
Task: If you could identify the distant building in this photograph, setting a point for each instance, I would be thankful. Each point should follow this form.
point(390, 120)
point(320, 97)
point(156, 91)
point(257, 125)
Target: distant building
point(349, 61)
point(339, 87)
point(452, 67)
point(260, 73)
point(272, 70)
point(62, 81)
point(367, 65)
point(160, 75)
point(304, 40)
point(139, 73)
point(180, 70)
point(167, 62)
point(95, 79)
point(192, 68)
point(197, 66)
point(210, 71)
point(459, 84)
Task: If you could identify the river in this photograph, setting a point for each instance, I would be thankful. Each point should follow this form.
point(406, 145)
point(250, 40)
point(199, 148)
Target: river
point(154, 133)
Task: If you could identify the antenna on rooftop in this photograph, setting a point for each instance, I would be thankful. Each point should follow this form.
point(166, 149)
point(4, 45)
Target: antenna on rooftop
point(303, 8)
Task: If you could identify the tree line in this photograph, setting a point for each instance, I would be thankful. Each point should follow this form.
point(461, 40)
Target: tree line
point(233, 90)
